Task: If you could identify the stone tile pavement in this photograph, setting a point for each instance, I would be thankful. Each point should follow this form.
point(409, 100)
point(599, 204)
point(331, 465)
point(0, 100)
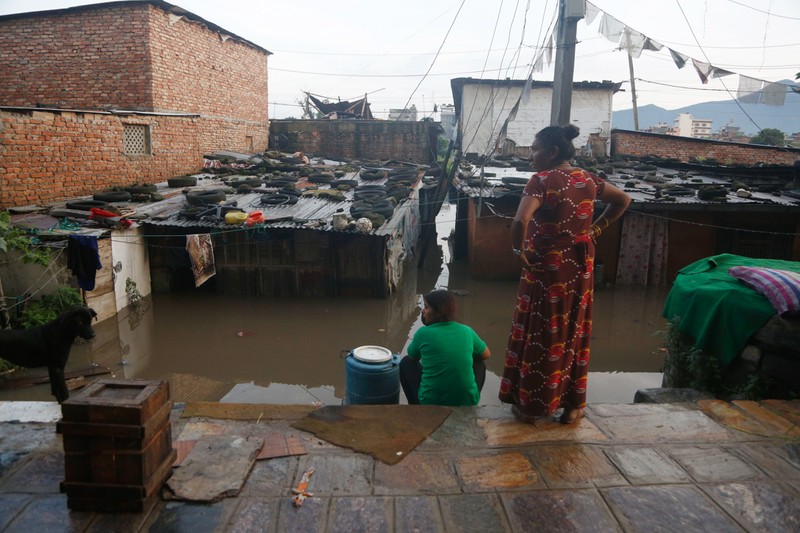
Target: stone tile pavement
point(707, 466)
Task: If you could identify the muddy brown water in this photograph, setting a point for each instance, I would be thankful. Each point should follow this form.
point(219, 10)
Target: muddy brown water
point(289, 350)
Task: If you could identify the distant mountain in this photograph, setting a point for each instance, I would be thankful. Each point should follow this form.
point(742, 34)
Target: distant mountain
point(786, 118)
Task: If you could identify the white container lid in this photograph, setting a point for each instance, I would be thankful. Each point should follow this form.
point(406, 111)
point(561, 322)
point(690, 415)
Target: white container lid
point(372, 354)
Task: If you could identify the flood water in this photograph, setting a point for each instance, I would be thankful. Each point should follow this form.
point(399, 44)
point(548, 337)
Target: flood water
point(289, 350)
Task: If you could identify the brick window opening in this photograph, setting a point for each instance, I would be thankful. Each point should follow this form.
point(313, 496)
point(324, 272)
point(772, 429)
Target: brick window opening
point(249, 142)
point(136, 139)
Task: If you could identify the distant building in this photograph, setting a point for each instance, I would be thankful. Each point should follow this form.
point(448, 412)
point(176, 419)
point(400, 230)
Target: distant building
point(483, 105)
point(731, 133)
point(661, 127)
point(408, 114)
point(688, 126)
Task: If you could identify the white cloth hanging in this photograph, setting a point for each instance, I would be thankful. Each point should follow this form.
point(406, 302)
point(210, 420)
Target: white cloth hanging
point(632, 42)
point(773, 94)
point(749, 90)
point(590, 12)
point(703, 70)
point(611, 28)
point(679, 59)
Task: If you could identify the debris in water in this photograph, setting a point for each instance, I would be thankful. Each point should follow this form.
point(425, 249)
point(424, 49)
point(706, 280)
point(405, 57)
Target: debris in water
point(245, 333)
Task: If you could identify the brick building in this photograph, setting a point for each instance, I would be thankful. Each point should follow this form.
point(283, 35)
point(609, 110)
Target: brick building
point(117, 93)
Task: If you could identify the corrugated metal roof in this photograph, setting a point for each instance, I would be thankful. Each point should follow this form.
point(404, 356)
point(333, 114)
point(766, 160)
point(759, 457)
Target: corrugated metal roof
point(305, 214)
point(643, 192)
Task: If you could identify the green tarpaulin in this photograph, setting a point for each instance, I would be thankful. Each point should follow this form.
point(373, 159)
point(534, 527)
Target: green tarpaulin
point(717, 310)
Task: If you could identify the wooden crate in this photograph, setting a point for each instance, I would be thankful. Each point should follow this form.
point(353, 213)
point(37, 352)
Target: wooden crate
point(117, 444)
point(116, 401)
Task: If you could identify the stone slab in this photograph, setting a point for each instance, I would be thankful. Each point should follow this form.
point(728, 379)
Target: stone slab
point(362, 515)
point(10, 506)
point(760, 506)
point(42, 473)
point(473, 513)
point(781, 426)
point(254, 515)
point(670, 395)
point(419, 473)
point(558, 511)
point(647, 466)
point(732, 417)
point(497, 471)
point(713, 464)
point(48, 513)
point(310, 518)
point(194, 430)
point(419, 514)
point(668, 426)
point(337, 474)
point(788, 410)
point(575, 465)
point(667, 509)
point(215, 468)
point(185, 516)
point(772, 459)
point(271, 478)
point(43, 412)
point(510, 432)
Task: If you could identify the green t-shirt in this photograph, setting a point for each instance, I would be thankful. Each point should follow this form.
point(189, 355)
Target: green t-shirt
point(445, 351)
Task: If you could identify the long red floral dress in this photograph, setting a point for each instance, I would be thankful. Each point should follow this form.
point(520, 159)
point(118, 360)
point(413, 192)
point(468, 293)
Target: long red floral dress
point(546, 363)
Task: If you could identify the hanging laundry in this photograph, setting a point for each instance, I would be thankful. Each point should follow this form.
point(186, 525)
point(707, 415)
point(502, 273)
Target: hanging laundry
point(83, 259)
point(611, 28)
point(590, 12)
point(538, 63)
point(526, 91)
point(703, 70)
point(719, 72)
point(201, 254)
point(653, 46)
point(548, 50)
point(632, 42)
point(773, 94)
point(679, 59)
point(749, 90)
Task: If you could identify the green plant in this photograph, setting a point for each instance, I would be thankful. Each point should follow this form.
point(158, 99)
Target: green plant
point(50, 306)
point(687, 366)
point(13, 238)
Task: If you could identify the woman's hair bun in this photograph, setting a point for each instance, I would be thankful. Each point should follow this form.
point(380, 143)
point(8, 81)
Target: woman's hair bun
point(571, 131)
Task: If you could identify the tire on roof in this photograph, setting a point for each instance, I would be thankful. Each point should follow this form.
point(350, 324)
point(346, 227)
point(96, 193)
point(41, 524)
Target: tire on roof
point(112, 196)
point(205, 197)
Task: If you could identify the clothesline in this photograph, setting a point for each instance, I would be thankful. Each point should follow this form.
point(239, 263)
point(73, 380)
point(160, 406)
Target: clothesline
point(751, 90)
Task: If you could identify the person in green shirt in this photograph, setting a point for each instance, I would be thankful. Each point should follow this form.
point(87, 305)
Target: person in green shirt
point(444, 365)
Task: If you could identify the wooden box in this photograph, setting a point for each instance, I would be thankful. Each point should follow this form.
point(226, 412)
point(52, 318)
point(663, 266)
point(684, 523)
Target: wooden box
point(117, 444)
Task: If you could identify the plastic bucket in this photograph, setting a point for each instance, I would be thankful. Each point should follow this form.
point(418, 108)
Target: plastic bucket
point(372, 383)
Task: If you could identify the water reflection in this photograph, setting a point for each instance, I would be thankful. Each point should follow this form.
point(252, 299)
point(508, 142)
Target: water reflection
point(289, 350)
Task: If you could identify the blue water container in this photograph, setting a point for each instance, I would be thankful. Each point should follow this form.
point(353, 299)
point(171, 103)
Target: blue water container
point(372, 383)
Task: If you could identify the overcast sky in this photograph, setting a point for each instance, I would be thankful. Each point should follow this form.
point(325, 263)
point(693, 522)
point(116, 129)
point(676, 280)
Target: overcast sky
point(347, 48)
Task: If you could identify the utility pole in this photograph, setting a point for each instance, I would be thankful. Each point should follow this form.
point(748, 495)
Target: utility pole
point(570, 12)
point(633, 82)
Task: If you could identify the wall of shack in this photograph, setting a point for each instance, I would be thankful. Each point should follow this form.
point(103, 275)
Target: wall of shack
point(356, 139)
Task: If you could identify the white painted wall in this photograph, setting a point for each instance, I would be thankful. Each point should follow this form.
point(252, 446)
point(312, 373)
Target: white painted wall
point(129, 253)
point(485, 107)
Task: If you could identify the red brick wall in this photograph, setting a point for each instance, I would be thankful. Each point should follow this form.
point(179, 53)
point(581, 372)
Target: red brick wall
point(194, 71)
point(86, 60)
point(129, 56)
point(50, 156)
point(639, 144)
point(354, 139)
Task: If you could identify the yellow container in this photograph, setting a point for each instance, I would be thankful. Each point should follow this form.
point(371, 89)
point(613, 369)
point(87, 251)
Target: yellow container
point(235, 217)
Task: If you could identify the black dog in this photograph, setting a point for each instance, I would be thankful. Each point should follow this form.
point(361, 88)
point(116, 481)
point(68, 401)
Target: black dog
point(48, 345)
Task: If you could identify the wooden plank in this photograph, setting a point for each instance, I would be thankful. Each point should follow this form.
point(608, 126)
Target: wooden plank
point(246, 411)
point(30, 381)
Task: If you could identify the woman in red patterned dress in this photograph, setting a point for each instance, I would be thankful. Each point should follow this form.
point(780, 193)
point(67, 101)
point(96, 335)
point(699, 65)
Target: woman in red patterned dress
point(546, 363)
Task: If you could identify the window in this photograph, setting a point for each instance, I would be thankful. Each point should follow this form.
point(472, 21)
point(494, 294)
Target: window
point(136, 139)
